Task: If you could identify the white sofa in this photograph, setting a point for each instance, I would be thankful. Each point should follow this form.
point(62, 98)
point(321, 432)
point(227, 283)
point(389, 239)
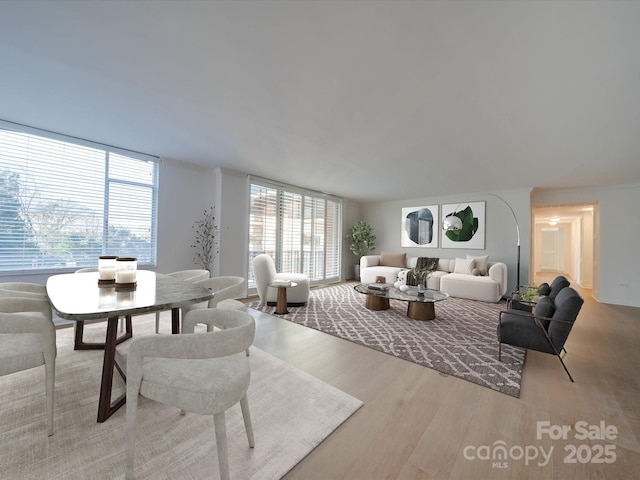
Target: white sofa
point(487, 288)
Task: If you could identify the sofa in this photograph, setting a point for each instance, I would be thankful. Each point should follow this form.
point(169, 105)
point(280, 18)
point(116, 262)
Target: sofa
point(473, 277)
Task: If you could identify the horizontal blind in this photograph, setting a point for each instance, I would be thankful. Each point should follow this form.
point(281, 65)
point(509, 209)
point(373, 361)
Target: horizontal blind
point(62, 204)
point(302, 227)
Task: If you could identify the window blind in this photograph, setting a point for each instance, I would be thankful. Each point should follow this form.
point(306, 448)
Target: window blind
point(63, 204)
point(300, 229)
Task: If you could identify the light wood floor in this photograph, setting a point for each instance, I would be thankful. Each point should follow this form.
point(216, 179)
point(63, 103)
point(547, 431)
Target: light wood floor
point(418, 424)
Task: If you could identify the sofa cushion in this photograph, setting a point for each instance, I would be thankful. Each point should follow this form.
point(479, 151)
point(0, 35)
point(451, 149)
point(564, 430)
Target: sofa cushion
point(481, 263)
point(368, 275)
point(544, 308)
point(393, 259)
point(461, 285)
point(464, 266)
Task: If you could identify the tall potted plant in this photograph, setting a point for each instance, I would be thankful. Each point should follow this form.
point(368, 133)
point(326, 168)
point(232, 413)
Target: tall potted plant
point(362, 240)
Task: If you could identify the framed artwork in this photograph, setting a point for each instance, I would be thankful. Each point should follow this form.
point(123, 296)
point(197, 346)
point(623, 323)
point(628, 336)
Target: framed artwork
point(420, 226)
point(472, 225)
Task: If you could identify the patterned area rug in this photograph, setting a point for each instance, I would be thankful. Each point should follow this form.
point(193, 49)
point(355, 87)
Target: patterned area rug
point(461, 341)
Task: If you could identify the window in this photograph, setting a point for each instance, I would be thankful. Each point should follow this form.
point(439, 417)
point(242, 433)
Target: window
point(66, 201)
point(300, 229)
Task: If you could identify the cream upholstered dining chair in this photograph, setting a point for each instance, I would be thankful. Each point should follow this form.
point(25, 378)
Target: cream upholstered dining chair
point(28, 340)
point(204, 373)
point(224, 289)
point(193, 276)
point(264, 272)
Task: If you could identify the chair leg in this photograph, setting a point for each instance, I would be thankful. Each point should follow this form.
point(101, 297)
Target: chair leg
point(50, 375)
point(565, 368)
point(157, 322)
point(246, 414)
point(221, 441)
point(132, 408)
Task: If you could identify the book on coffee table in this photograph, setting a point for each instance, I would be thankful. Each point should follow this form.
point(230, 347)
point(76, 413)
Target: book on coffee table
point(382, 287)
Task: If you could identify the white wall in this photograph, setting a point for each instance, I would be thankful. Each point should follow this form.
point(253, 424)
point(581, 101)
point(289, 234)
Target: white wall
point(617, 275)
point(232, 204)
point(351, 214)
point(185, 192)
point(500, 238)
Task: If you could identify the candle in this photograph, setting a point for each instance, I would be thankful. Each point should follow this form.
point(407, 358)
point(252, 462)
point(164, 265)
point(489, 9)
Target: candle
point(107, 268)
point(125, 276)
point(126, 270)
point(107, 273)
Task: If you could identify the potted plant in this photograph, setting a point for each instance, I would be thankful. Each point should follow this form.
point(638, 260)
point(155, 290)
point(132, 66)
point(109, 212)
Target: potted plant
point(362, 240)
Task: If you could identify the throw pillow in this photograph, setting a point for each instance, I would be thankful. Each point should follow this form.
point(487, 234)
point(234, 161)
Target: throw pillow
point(482, 263)
point(393, 259)
point(465, 266)
point(426, 263)
point(475, 272)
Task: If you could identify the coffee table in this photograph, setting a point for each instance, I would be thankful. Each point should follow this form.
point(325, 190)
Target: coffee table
point(420, 305)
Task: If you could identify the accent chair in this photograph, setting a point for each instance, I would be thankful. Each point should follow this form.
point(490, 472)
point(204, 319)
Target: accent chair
point(546, 329)
point(264, 272)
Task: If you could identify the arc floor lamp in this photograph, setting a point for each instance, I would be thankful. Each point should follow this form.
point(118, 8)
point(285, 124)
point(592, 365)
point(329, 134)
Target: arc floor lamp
point(453, 222)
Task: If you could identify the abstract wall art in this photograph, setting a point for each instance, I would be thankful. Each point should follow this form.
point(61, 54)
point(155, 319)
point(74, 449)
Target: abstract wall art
point(420, 226)
point(471, 232)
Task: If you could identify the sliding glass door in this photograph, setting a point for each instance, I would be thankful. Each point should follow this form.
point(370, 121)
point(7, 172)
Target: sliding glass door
point(299, 229)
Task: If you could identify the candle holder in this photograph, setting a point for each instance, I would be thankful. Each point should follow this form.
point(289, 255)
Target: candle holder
point(107, 270)
point(126, 273)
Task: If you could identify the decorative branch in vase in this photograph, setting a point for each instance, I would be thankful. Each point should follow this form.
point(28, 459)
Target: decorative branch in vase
point(205, 244)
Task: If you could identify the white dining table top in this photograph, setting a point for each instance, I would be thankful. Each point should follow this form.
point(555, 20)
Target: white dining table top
point(77, 296)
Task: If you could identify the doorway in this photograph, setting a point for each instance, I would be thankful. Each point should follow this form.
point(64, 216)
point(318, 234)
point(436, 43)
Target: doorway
point(565, 243)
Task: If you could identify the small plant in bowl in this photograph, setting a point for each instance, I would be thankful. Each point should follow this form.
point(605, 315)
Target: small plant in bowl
point(529, 293)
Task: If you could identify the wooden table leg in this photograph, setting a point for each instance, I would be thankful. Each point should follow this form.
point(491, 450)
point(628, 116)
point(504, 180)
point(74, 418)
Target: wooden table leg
point(374, 302)
point(80, 344)
point(105, 407)
point(113, 360)
point(421, 310)
point(281, 303)
point(175, 321)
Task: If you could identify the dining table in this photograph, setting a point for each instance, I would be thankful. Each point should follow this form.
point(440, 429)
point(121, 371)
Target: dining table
point(79, 297)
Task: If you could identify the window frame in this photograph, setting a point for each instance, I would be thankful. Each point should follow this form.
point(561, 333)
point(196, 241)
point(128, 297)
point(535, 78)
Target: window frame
point(108, 181)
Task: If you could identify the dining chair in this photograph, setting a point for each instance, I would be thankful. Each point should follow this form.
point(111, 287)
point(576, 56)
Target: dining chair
point(224, 288)
point(193, 276)
point(203, 373)
point(28, 340)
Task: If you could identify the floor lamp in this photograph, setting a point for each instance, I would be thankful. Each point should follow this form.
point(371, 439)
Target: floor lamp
point(453, 222)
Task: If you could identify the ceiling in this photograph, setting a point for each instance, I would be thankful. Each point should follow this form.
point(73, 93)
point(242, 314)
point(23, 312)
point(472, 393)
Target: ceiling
point(366, 100)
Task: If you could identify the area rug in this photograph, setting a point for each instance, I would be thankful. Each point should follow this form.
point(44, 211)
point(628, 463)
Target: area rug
point(461, 340)
point(292, 413)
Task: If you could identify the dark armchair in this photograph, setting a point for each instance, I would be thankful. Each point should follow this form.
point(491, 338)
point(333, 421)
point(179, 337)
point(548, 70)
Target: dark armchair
point(546, 329)
point(544, 289)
